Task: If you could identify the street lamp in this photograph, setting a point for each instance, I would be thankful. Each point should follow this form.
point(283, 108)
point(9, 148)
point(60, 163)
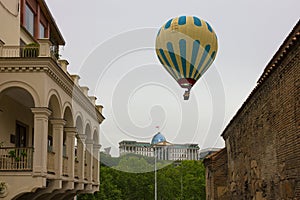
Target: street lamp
point(158, 140)
point(155, 174)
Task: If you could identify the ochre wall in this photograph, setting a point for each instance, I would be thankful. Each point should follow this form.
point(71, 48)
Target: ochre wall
point(216, 176)
point(263, 139)
point(10, 22)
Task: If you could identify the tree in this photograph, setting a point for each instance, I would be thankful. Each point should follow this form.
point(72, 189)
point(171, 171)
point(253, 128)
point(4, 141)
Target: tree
point(185, 180)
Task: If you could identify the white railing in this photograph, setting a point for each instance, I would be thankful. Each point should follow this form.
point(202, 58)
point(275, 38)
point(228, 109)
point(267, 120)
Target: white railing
point(40, 50)
point(16, 159)
point(20, 51)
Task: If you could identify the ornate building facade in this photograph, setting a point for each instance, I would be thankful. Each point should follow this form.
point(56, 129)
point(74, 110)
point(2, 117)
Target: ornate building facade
point(261, 159)
point(49, 126)
point(164, 150)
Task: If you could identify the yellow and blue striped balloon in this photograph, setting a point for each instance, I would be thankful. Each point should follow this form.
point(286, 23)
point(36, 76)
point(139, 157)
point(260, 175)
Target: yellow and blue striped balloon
point(186, 46)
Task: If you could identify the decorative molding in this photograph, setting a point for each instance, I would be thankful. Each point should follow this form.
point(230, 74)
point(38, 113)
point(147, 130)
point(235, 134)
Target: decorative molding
point(54, 71)
point(3, 190)
point(7, 10)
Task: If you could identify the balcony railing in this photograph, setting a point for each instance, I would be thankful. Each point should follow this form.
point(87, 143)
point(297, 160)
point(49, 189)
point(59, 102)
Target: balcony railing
point(16, 159)
point(20, 51)
point(42, 49)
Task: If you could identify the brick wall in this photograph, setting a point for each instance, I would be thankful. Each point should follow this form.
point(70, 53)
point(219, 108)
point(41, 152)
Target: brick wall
point(216, 175)
point(263, 139)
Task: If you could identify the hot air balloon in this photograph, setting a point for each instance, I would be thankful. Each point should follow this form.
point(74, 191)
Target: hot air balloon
point(186, 46)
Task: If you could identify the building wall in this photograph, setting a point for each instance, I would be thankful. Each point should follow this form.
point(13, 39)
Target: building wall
point(170, 152)
point(10, 19)
point(13, 111)
point(216, 176)
point(42, 78)
point(263, 139)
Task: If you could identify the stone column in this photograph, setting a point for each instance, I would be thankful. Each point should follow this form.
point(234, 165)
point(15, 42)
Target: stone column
point(58, 133)
point(96, 158)
point(44, 47)
point(89, 159)
point(80, 155)
point(70, 141)
point(40, 140)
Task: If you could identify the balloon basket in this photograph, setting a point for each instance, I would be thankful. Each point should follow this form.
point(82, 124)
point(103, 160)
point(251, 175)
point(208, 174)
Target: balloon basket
point(186, 95)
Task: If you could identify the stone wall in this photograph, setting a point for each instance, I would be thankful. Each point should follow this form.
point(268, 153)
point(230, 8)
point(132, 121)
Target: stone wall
point(216, 175)
point(263, 138)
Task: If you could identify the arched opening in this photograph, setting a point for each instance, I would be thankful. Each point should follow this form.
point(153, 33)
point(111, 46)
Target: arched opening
point(79, 127)
point(68, 141)
point(87, 152)
point(96, 137)
point(16, 128)
point(88, 132)
point(78, 148)
point(54, 106)
point(68, 117)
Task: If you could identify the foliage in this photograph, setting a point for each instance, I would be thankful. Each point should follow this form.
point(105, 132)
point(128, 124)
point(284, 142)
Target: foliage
point(31, 50)
point(13, 154)
point(183, 180)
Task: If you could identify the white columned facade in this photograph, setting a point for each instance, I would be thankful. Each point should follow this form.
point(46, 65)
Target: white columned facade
point(41, 116)
point(58, 133)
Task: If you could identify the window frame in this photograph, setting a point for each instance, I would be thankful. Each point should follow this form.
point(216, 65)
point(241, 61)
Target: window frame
point(44, 30)
point(27, 20)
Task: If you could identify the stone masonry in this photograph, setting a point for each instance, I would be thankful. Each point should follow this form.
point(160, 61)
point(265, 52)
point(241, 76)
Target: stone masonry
point(263, 138)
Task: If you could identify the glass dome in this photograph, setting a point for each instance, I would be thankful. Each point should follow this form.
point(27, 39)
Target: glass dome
point(158, 138)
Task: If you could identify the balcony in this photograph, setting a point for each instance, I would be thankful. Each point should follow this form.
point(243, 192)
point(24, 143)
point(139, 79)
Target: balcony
point(20, 51)
point(43, 48)
point(16, 159)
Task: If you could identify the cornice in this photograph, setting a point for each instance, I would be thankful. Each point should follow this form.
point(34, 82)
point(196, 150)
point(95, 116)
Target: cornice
point(53, 70)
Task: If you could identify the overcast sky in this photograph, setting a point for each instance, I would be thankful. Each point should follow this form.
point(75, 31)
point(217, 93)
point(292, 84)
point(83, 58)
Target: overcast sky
point(110, 44)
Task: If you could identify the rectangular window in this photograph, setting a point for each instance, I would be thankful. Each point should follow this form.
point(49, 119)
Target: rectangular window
point(29, 20)
point(42, 30)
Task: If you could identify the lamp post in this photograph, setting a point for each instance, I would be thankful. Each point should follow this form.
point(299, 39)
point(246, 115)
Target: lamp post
point(155, 175)
point(158, 140)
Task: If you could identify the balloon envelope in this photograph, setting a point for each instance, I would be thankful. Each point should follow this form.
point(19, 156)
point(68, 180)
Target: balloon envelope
point(186, 46)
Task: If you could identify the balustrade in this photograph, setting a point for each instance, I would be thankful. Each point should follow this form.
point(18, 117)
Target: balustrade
point(16, 159)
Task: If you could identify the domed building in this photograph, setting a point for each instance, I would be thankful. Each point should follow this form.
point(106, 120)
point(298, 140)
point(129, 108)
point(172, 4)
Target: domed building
point(158, 138)
point(160, 147)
